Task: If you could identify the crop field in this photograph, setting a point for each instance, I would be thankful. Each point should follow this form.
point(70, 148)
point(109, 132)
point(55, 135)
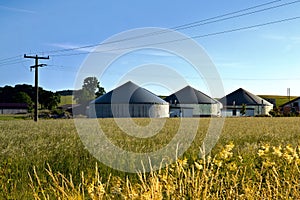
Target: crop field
point(254, 158)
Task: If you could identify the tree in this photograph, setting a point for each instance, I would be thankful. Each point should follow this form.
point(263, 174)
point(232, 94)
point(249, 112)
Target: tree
point(275, 112)
point(22, 97)
point(26, 93)
point(90, 90)
point(243, 110)
point(48, 99)
point(100, 91)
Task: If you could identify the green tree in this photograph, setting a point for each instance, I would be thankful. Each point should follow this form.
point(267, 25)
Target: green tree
point(243, 110)
point(23, 97)
point(90, 90)
point(275, 112)
point(48, 99)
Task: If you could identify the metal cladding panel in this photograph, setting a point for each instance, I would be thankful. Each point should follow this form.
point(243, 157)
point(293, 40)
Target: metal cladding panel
point(13, 111)
point(250, 110)
point(128, 110)
point(203, 109)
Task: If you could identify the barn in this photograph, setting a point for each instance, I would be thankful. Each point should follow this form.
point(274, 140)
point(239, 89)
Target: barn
point(128, 100)
point(189, 102)
point(13, 108)
point(291, 107)
point(254, 105)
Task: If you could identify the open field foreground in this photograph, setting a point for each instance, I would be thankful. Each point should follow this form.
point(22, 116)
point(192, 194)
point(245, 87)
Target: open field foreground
point(254, 158)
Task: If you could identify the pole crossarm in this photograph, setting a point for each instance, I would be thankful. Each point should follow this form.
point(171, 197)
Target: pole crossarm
point(36, 57)
point(40, 65)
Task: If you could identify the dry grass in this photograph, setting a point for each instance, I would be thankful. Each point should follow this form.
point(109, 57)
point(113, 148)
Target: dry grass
point(255, 158)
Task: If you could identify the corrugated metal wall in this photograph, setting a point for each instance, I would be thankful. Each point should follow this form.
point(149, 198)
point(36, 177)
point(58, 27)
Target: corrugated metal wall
point(128, 110)
point(251, 110)
point(203, 109)
point(12, 111)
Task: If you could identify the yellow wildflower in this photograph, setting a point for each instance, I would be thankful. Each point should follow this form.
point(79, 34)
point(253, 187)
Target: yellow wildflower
point(266, 148)
point(198, 166)
point(288, 157)
point(218, 162)
point(261, 153)
point(289, 149)
point(267, 163)
point(232, 166)
point(241, 158)
point(229, 146)
point(277, 151)
point(182, 162)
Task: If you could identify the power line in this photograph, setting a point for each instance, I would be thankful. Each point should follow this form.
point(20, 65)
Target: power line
point(240, 15)
point(194, 77)
point(192, 37)
point(189, 25)
point(10, 58)
point(180, 27)
point(226, 14)
point(13, 62)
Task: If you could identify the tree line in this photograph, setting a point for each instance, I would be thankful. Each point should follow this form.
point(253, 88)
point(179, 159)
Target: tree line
point(24, 93)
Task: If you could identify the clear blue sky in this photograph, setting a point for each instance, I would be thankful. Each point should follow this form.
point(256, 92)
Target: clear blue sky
point(263, 60)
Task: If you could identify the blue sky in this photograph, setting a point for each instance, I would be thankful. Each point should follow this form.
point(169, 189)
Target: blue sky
point(263, 60)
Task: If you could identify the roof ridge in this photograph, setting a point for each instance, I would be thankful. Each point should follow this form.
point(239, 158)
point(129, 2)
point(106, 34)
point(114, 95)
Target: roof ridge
point(249, 94)
point(290, 101)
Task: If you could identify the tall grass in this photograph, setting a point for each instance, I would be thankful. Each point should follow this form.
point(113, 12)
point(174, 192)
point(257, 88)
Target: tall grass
point(254, 158)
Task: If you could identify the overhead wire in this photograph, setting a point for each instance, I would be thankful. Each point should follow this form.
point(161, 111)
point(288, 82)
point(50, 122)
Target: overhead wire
point(240, 15)
point(191, 26)
point(180, 27)
point(9, 58)
point(188, 25)
point(192, 37)
point(13, 62)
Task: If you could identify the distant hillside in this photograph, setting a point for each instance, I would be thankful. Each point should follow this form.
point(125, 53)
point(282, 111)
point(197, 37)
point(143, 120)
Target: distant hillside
point(65, 100)
point(65, 97)
point(279, 99)
point(65, 92)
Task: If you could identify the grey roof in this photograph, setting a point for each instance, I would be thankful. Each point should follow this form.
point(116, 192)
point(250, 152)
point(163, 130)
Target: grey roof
point(290, 102)
point(189, 95)
point(129, 93)
point(241, 96)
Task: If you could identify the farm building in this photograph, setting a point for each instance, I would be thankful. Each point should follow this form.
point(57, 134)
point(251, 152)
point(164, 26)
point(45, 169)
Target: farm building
point(128, 100)
point(291, 106)
point(13, 108)
point(189, 102)
point(234, 101)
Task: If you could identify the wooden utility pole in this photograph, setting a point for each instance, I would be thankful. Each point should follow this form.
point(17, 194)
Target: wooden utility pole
point(36, 66)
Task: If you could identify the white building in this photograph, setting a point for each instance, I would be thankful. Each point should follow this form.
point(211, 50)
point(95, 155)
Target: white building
point(291, 106)
point(13, 108)
point(189, 102)
point(233, 103)
point(128, 100)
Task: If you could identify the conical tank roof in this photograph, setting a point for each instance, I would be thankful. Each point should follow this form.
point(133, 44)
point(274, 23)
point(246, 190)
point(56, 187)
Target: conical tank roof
point(129, 93)
point(241, 96)
point(189, 95)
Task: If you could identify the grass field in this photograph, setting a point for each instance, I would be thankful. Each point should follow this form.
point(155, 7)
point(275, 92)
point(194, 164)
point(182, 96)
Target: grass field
point(280, 100)
point(8, 117)
point(65, 100)
point(255, 158)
